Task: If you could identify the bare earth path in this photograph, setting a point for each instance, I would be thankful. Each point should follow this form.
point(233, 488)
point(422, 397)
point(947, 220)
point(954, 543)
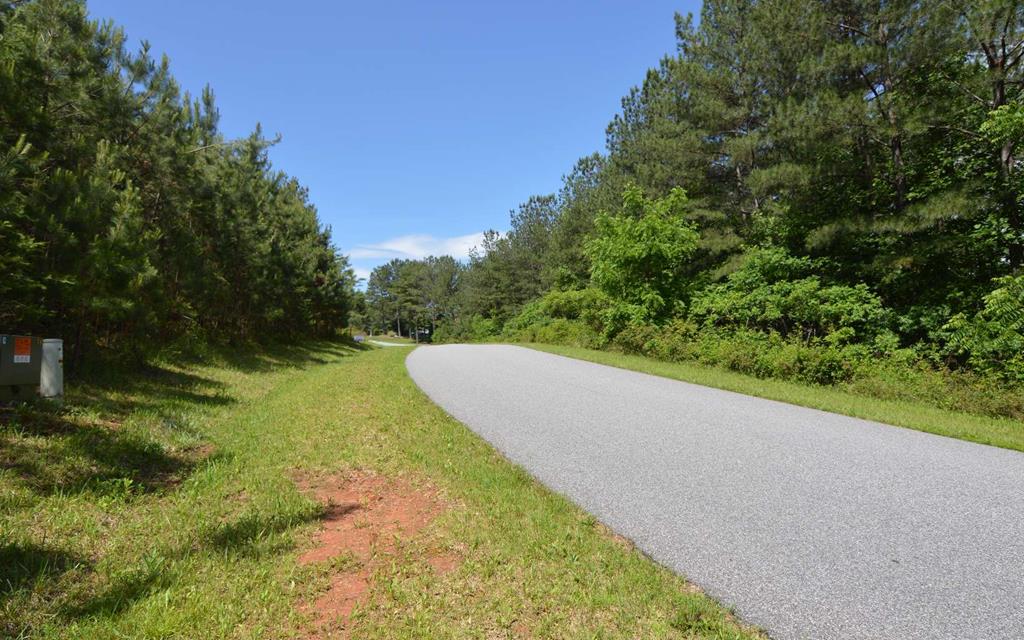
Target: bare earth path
point(812, 525)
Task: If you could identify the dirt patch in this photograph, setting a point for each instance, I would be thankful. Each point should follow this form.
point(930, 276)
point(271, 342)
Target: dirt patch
point(443, 563)
point(201, 452)
point(365, 518)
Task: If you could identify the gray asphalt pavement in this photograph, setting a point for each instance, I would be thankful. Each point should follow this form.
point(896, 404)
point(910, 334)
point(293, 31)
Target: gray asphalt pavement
point(812, 525)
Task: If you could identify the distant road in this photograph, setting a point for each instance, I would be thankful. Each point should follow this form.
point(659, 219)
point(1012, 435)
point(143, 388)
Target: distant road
point(812, 525)
point(381, 343)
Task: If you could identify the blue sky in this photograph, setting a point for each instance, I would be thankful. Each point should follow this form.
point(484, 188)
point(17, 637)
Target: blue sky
point(415, 125)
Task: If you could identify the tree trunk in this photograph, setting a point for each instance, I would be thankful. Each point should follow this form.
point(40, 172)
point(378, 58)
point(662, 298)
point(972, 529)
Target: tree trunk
point(899, 181)
point(1008, 195)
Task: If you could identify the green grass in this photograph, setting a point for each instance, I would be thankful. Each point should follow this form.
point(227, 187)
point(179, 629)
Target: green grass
point(999, 432)
point(160, 504)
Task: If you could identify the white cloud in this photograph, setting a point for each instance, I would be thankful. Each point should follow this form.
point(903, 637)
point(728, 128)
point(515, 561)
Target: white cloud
point(361, 273)
point(418, 246)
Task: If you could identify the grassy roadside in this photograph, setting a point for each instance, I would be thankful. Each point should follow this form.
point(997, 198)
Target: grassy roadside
point(999, 432)
point(163, 506)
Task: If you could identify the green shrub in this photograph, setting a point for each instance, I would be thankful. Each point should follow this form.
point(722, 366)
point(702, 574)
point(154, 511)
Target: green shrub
point(471, 329)
point(894, 378)
point(587, 305)
point(575, 317)
point(676, 341)
point(636, 340)
point(573, 333)
point(879, 370)
point(993, 340)
point(759, 354)
point(773, 292)
point(640, 256)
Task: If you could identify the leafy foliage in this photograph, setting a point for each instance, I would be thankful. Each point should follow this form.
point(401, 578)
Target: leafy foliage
point(574, 317)
point(639, 256)
point(993, 339)
point(751, 352)
point(772, 293)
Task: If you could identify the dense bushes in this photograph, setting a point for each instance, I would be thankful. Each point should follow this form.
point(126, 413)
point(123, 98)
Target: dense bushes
point(893, 374)
point(769, 319)
point(993, 340)
point(466, 329)
point(575, 318)
point(889, 374)
point(762, 354)
point(775, 318)
point(774, 292)
point(573, 333)
point(875, 367)
point(586, 305)
point(765, 355)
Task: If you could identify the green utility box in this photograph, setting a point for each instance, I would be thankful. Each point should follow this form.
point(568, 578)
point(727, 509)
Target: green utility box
point(20, 360)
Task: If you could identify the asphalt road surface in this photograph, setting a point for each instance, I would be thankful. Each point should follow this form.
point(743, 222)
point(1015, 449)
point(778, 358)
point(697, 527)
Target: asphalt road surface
point(812, 525)
point(381, 343)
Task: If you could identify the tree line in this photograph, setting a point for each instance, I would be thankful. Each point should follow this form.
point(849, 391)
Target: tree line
point(804, 185)
point(127, 217)
point(410, 297)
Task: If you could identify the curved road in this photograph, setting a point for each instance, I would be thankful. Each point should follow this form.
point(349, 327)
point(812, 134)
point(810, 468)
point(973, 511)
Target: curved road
point(812, 525)
point(381, 343)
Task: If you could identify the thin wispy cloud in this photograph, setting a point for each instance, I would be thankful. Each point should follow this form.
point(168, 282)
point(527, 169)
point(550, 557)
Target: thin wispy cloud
point(418, 246)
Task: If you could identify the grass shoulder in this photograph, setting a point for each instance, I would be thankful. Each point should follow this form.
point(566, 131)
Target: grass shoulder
point(1000, 432)
point(180, 500)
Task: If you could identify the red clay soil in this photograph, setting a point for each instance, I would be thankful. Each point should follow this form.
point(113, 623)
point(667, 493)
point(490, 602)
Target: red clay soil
point(365, 514)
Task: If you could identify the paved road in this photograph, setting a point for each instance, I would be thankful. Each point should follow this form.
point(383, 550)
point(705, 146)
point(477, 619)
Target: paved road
point(381, 343)
point(812, 525)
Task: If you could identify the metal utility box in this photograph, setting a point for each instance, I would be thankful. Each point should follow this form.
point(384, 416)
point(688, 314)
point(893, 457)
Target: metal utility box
point(20, 360)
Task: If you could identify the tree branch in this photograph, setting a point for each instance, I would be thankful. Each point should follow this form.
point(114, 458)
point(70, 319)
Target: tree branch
point(966, 90)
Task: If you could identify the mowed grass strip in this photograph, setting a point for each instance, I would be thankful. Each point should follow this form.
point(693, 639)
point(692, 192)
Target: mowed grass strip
point(999, 432)
point(186, 521)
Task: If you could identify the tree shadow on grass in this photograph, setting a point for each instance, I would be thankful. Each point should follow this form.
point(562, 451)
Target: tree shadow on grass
point(159, 389)
point(109, 441)
point(253, 357)
point(251, 535)
point(29, 571)
point(23, 564)
point(277, 356)
point(126, 588)
point(84, 445)
point(258, 533)
point(71, 458)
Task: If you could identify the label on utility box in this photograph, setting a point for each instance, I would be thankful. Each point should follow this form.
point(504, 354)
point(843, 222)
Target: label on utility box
point(22, 350)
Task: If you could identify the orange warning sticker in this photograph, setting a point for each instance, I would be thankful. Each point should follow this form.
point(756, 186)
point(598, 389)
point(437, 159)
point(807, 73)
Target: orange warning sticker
point(22, 350)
